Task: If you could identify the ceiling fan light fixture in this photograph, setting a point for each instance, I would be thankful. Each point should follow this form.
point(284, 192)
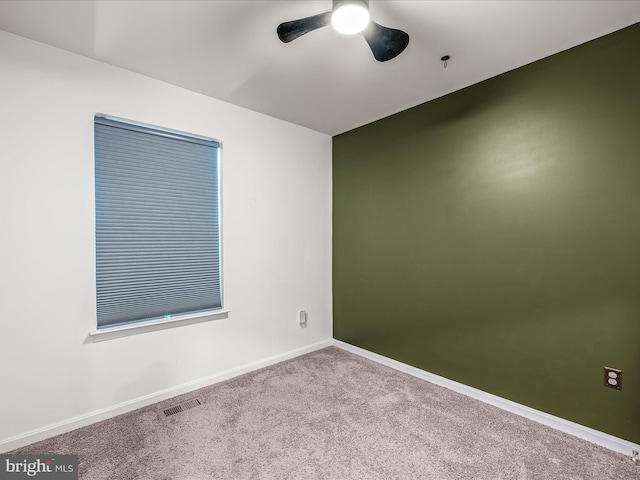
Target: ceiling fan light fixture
point(350, 17)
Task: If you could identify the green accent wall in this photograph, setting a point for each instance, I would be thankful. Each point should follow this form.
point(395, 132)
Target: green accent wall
point(492, 236)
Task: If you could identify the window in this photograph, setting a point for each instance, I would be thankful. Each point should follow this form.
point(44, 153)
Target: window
point(157, 223)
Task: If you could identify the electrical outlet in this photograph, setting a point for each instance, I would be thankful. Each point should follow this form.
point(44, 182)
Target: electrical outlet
point(302, 318)
point(613, 378)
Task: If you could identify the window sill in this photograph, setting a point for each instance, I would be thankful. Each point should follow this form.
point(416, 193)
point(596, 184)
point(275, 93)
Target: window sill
point(137, 328)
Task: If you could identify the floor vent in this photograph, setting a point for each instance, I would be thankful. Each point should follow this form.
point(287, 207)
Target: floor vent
point(181, 407)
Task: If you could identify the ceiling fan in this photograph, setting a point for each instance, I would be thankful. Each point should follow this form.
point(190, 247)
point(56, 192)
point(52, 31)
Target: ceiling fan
point(350, 17)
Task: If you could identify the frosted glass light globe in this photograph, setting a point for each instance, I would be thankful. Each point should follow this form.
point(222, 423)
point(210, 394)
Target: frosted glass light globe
point(350, 18)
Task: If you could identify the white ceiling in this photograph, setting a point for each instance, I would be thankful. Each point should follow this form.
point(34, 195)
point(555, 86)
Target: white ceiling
point(228, 49)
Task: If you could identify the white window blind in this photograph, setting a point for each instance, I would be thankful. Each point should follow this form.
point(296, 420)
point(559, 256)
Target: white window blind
point(157, 223)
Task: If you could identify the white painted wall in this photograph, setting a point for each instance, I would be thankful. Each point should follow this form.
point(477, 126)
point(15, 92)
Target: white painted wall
point(276, 240)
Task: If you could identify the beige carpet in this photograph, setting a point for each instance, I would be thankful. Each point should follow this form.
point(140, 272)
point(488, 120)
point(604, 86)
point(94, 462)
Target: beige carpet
point(331, 415)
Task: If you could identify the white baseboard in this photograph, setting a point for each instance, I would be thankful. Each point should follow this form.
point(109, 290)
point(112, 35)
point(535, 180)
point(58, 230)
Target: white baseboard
point(594, 436)
point(92, 417)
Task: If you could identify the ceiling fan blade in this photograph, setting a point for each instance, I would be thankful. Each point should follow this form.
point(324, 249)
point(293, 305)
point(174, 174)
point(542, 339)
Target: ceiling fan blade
point(289, 31)
point(386, 43)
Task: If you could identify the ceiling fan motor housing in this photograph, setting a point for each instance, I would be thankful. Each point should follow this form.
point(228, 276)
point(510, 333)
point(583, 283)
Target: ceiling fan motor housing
point(337, 3)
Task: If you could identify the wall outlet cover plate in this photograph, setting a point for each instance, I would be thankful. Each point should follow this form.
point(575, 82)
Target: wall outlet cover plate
point(613, 378)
